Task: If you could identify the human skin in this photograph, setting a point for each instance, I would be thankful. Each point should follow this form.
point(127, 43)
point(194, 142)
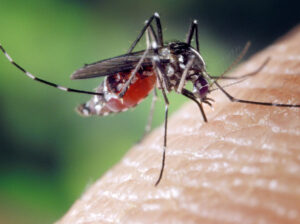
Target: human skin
point(243, 166)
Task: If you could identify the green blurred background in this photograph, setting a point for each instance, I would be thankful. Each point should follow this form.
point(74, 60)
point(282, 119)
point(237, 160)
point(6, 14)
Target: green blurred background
point(49, 155)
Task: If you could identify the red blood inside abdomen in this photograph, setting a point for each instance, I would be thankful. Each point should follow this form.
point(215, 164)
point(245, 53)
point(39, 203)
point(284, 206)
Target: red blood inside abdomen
point(144, 83)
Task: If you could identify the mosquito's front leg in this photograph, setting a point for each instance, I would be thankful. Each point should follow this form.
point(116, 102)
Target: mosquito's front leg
point(233, 99)
point(245, 75)
point(191, 96)
point(193, 28)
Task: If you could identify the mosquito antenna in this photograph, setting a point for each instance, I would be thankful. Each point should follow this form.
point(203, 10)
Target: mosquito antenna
point(28, 74)
point(246, 75)
point(237, 60)
point(228, 85)
point(240, 78)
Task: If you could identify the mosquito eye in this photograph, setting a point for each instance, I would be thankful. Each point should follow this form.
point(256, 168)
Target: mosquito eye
point(201, 87)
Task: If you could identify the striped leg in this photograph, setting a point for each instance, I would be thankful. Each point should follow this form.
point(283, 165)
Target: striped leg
point(148, 23)
point(28, 74)
point(233, 99)
point(193, 28)
point(157, 41)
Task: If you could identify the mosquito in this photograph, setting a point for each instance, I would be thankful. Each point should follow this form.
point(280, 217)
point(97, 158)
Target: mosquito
point(130, 78)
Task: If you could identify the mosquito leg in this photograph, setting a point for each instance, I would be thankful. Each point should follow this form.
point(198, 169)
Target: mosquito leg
point(193, 28)
point(28, 74)
point(165, 143)
point(165, 126)
point(233, 99)
point(149, 33)
point(156, 58)
point(132, 75)
point(184, 74)
point(237, 60)
point(154, 98)
point(163, 82)
point(159, 32)
point(228, 85)
point(191, 96)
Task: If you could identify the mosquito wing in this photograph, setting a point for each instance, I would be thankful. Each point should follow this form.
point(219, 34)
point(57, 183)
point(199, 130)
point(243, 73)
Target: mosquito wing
point(114, 65)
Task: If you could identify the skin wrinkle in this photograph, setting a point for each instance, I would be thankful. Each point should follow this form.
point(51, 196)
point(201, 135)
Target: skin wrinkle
point(243, 166)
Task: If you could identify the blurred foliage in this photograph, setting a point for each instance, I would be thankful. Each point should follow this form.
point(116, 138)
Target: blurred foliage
point(49, 154)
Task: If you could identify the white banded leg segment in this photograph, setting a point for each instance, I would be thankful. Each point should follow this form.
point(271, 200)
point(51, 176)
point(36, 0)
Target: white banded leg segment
point(8, 57)
point(233, 99)
point(28, 74)
point(184, 74)
point(62, 88)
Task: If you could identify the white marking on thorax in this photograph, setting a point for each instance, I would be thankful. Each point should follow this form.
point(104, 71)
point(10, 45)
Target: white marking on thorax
point(181, 59)
point(165, 52)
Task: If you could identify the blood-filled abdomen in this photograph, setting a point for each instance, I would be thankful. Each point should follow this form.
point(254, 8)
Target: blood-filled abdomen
point(141, 85)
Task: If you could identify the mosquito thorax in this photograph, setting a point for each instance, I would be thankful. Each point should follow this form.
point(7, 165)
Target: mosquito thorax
point(179, 54)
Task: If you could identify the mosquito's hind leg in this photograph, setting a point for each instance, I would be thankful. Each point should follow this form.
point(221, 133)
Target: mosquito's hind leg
point(35, 78)
point(150, 34)
point(159, 35)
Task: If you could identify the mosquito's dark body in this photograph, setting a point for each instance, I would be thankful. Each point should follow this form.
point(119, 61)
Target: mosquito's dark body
point(174, 58)
point(131, 77)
